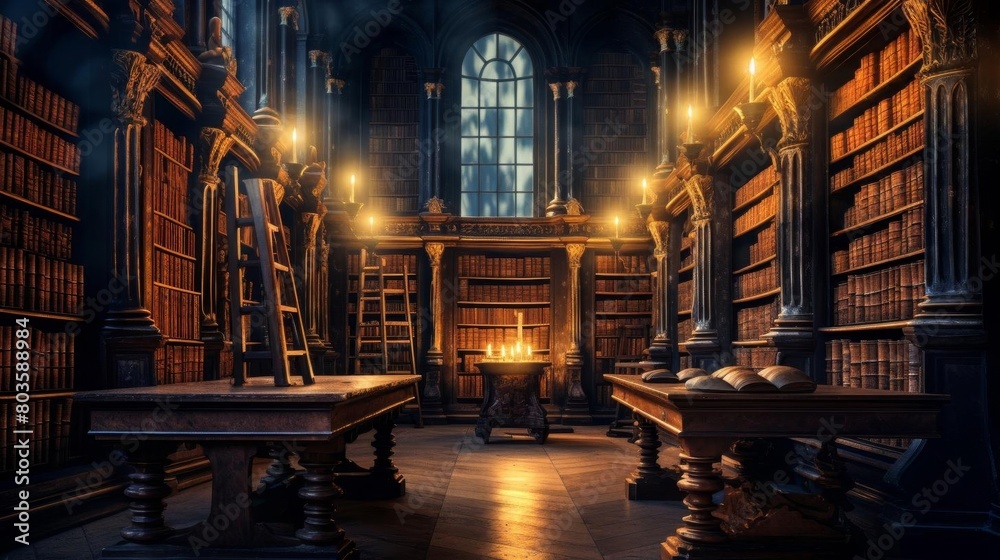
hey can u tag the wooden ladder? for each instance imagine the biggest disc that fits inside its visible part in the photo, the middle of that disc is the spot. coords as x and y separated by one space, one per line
284 342
384 324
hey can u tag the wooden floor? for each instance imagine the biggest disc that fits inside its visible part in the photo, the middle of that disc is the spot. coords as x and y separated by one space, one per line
511 499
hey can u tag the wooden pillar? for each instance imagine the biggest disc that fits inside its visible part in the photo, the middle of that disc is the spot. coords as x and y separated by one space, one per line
433 409
334 93
288 17
572 88
792 331
661 348
704 344
129 334
666 121
557 206
576 410
213 144
430 145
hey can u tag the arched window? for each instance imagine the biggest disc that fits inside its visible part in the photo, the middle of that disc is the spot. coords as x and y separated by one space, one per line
497 129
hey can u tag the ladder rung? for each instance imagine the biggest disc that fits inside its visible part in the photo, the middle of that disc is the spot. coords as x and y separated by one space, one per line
396 323
370 269
397 341
370 298
370 355
392 275
392 291
266 354
248 309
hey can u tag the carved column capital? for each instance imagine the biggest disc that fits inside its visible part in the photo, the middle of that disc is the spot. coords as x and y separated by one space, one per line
680 38
660 231
132 78
434 252
699 188
433 89
571 87
575 253
213 144
791 101
663 37
318 58
556 88
333 85
656 74
310 227
947 32
289 16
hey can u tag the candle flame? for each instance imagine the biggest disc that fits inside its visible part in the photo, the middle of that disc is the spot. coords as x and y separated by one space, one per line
294 135
690 112
352 179
643 182
753 66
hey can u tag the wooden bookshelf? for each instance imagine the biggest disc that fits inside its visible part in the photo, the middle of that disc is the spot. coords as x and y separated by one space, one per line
492 290
876 221
393 142
615 119
176 299
41 284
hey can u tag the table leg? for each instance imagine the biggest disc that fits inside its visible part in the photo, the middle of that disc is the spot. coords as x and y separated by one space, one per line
318 493
147 490
230 511
701 480
650 481
383 480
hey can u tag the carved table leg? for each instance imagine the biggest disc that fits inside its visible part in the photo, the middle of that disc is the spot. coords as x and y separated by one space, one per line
702 530
383 480
147 490
231 465
649 481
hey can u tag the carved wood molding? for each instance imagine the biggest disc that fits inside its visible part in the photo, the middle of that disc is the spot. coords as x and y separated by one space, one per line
213 145
575 253
132 78
702 193
660 231
792 103
310 228
947 32
434 252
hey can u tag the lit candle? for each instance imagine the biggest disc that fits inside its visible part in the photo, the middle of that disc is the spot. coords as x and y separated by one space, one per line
529 351
690 138
371 225
503 351
489 350
295 141
753 70
520 325
644 190
616 227
352 187
517 350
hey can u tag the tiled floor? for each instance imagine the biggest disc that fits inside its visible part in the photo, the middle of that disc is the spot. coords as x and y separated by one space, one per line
512 499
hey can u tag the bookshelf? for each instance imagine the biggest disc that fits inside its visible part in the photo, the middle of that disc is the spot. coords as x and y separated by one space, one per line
492 290
176 299
876 221
41 285
685 290
755 287
623 315
393 142
615 131
394 264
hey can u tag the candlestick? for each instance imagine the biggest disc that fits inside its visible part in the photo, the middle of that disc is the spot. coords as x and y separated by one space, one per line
753 70
616 227
644 190
295 142
352 187
689 137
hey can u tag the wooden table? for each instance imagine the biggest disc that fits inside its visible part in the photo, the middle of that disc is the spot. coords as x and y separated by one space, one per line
707 425
233 424
510 398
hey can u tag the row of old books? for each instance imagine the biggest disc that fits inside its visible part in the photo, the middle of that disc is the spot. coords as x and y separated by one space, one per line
177 312
478 338
597 100
51 359
470 385
407 102
393 116
896 190
876 120
38 100
23 230
175 147
390 74
883 152
613 327
180 363
614 167
629 284
46 146
502 315
393 263
8 35
392 129
396 186
372 306
624 305
603 114
49 420
173 236
875 68
27 179
756 282
684 329
754 215
594 130
174 270
619 347
756 185
372 285
503 267
891 294
892 365
37 283
408 145
765 246
531 293
757 358
609 264
170 196
753 322
685 296
900 237
396 88
393 120
607 85
687 251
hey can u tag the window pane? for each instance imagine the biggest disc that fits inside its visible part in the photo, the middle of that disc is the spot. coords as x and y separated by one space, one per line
506 178
470 92
507 151
524 150
487 150
488 122
524 127
506 47
508 124
505 207
472 64
488 94
525 176
525 92
470 150
524 204
522 64
487 46
487 204
470 204
488 178
470 178
505 94
470 122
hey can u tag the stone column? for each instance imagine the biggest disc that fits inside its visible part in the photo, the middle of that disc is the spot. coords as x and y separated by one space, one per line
288 18
703 346
430 146
433 409
129 334
213 144
577 409
661 348
572 88
792 331
665 121
334 92
557 206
